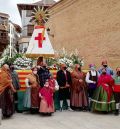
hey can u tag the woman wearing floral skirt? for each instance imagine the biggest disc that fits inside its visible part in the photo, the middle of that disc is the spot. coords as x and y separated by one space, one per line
103 99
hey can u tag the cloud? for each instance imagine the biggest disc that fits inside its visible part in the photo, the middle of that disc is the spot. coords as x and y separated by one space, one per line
10 7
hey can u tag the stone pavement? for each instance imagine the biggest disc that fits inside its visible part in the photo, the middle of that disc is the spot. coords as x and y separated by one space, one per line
62 120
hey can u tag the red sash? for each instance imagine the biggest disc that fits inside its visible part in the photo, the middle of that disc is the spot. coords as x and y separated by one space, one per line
108 89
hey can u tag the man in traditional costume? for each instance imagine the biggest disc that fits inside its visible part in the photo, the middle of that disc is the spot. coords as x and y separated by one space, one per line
92 79
64 81
43 73
116 89
31 99
108 69
103 98
6 91
79 98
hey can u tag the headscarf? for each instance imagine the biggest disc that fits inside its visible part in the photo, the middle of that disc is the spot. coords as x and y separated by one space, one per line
104 62
47 93
92 66
5 79
77 67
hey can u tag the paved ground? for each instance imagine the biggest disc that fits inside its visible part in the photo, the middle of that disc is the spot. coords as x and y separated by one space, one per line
62 120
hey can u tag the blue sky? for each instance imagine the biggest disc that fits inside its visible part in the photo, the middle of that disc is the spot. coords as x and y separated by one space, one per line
10 7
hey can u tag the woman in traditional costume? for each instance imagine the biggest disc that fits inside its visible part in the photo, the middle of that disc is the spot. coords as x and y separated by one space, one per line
108 69
6 92
79 98
16 84
116 89
31 100
91 80
46 95
103 99
54 84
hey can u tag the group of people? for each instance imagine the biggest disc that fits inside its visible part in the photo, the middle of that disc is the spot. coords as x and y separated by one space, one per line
95 91
40 90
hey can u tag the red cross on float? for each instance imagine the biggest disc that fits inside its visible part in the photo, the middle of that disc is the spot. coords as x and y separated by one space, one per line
40 44
40 39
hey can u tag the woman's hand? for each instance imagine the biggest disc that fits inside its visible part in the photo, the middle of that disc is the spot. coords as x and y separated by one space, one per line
33 86
67 85
12 88
106 85
40 96
80 80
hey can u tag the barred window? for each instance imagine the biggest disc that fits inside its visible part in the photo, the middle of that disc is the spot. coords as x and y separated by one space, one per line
30 29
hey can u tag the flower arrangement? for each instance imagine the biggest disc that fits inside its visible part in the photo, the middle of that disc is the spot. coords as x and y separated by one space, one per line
23 63
66 61
20 61
63 57
77 60
5 57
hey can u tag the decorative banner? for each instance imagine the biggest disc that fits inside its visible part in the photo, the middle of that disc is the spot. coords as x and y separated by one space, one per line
40 44
22 74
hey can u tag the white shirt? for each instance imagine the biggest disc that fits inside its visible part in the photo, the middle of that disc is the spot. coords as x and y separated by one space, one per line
64 72
27 82
56 85
93 73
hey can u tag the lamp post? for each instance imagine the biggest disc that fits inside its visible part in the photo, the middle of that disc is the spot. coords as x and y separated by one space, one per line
10 46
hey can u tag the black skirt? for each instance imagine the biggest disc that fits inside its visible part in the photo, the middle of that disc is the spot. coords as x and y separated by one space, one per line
7 102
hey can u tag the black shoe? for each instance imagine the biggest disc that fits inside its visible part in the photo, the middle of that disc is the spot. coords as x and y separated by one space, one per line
80 109
49 114
61 109
85 109
89 109
116 112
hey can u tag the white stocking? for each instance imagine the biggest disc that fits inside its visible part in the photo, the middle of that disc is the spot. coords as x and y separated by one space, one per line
61 103
68 102
117 106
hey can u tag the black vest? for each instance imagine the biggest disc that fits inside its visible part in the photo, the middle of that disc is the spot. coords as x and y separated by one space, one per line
93 78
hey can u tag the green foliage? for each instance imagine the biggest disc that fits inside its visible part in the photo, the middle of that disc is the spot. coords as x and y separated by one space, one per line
9 60
76 59
50 61
63 57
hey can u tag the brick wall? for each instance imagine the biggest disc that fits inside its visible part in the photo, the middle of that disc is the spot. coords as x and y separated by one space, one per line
91 26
